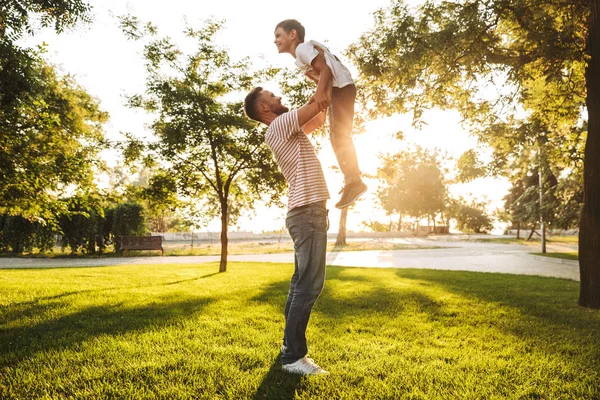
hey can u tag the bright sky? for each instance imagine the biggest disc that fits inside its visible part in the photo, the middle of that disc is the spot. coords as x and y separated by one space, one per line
110 67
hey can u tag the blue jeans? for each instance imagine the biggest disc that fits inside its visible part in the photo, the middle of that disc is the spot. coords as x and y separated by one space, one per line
308 228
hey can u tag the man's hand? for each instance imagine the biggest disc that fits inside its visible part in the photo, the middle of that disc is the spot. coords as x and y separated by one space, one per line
322 98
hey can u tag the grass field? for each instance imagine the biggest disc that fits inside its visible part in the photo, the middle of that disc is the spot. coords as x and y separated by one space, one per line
287 246
241 248
534 239
168 332
564 256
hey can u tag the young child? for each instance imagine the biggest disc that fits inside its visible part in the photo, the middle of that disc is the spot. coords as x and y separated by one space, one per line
326 70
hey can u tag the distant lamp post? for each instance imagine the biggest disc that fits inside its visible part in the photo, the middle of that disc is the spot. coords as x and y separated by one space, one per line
541 196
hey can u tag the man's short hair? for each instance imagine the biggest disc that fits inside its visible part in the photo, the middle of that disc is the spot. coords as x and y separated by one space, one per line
289 24
251 103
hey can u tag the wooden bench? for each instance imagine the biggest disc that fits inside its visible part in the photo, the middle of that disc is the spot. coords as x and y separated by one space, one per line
141 243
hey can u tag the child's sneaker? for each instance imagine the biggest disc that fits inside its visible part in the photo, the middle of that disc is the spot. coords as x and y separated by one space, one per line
350 193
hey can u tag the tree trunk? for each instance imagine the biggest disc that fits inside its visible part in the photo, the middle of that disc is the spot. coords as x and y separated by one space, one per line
531 233
589 228
341 237
400 223
518 230
224 240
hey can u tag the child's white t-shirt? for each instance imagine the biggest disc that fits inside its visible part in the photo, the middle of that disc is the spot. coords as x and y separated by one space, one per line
306 52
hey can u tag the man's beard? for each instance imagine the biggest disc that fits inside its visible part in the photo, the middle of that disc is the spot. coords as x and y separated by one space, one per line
281 110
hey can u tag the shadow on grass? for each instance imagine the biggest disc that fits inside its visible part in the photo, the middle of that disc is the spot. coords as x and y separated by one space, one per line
552 299
369 298
38 306
277 384
547 307
191 279
277 291
543 303
69 331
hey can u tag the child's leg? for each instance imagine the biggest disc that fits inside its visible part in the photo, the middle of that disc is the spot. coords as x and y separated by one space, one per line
340 120
341 114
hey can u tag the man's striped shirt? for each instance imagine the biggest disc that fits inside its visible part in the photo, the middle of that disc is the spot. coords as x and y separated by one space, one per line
297 160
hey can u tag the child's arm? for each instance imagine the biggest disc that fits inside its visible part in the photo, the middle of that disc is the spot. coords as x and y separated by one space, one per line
315 123
323 93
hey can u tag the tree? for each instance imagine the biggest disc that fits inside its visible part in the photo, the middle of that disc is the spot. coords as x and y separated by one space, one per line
470 217
512 206
15 16
216 155
160 198
50 128
82 224
450 55
470 167
17 65
18 235
50 139
128 219
412 184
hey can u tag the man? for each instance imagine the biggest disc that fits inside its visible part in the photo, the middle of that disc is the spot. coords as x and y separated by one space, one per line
307 214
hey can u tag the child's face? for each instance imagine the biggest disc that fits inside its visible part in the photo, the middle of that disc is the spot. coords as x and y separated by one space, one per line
284 40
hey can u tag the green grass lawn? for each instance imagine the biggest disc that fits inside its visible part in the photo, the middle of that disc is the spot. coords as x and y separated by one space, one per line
288 246
187 332
241 248
565 256
564 239
534 239
497 240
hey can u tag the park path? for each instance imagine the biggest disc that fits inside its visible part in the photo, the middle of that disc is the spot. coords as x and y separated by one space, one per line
457 255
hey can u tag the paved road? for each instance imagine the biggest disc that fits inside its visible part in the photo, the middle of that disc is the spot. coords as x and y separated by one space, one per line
457 256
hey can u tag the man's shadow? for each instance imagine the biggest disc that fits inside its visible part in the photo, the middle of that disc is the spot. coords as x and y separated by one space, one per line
278 384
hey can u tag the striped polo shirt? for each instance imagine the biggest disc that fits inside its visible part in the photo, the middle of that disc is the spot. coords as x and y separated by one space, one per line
297 160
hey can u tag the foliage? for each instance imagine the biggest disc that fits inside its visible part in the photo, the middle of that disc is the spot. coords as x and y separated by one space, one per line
50 128
211 149
83 224
15 19
160 199
50 142
127 220
470 167
376 226
453 54
471 217
569 195
514 70
19 235
544 54
412 183
562 197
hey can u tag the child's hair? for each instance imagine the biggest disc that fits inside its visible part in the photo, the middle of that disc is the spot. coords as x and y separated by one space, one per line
289 24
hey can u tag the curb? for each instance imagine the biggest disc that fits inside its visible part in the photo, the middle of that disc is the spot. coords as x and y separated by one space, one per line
555 260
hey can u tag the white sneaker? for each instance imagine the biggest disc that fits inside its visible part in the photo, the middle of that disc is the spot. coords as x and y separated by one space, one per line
304 366
283 348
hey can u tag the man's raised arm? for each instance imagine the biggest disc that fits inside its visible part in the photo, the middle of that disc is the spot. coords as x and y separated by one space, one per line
315 123
307 112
